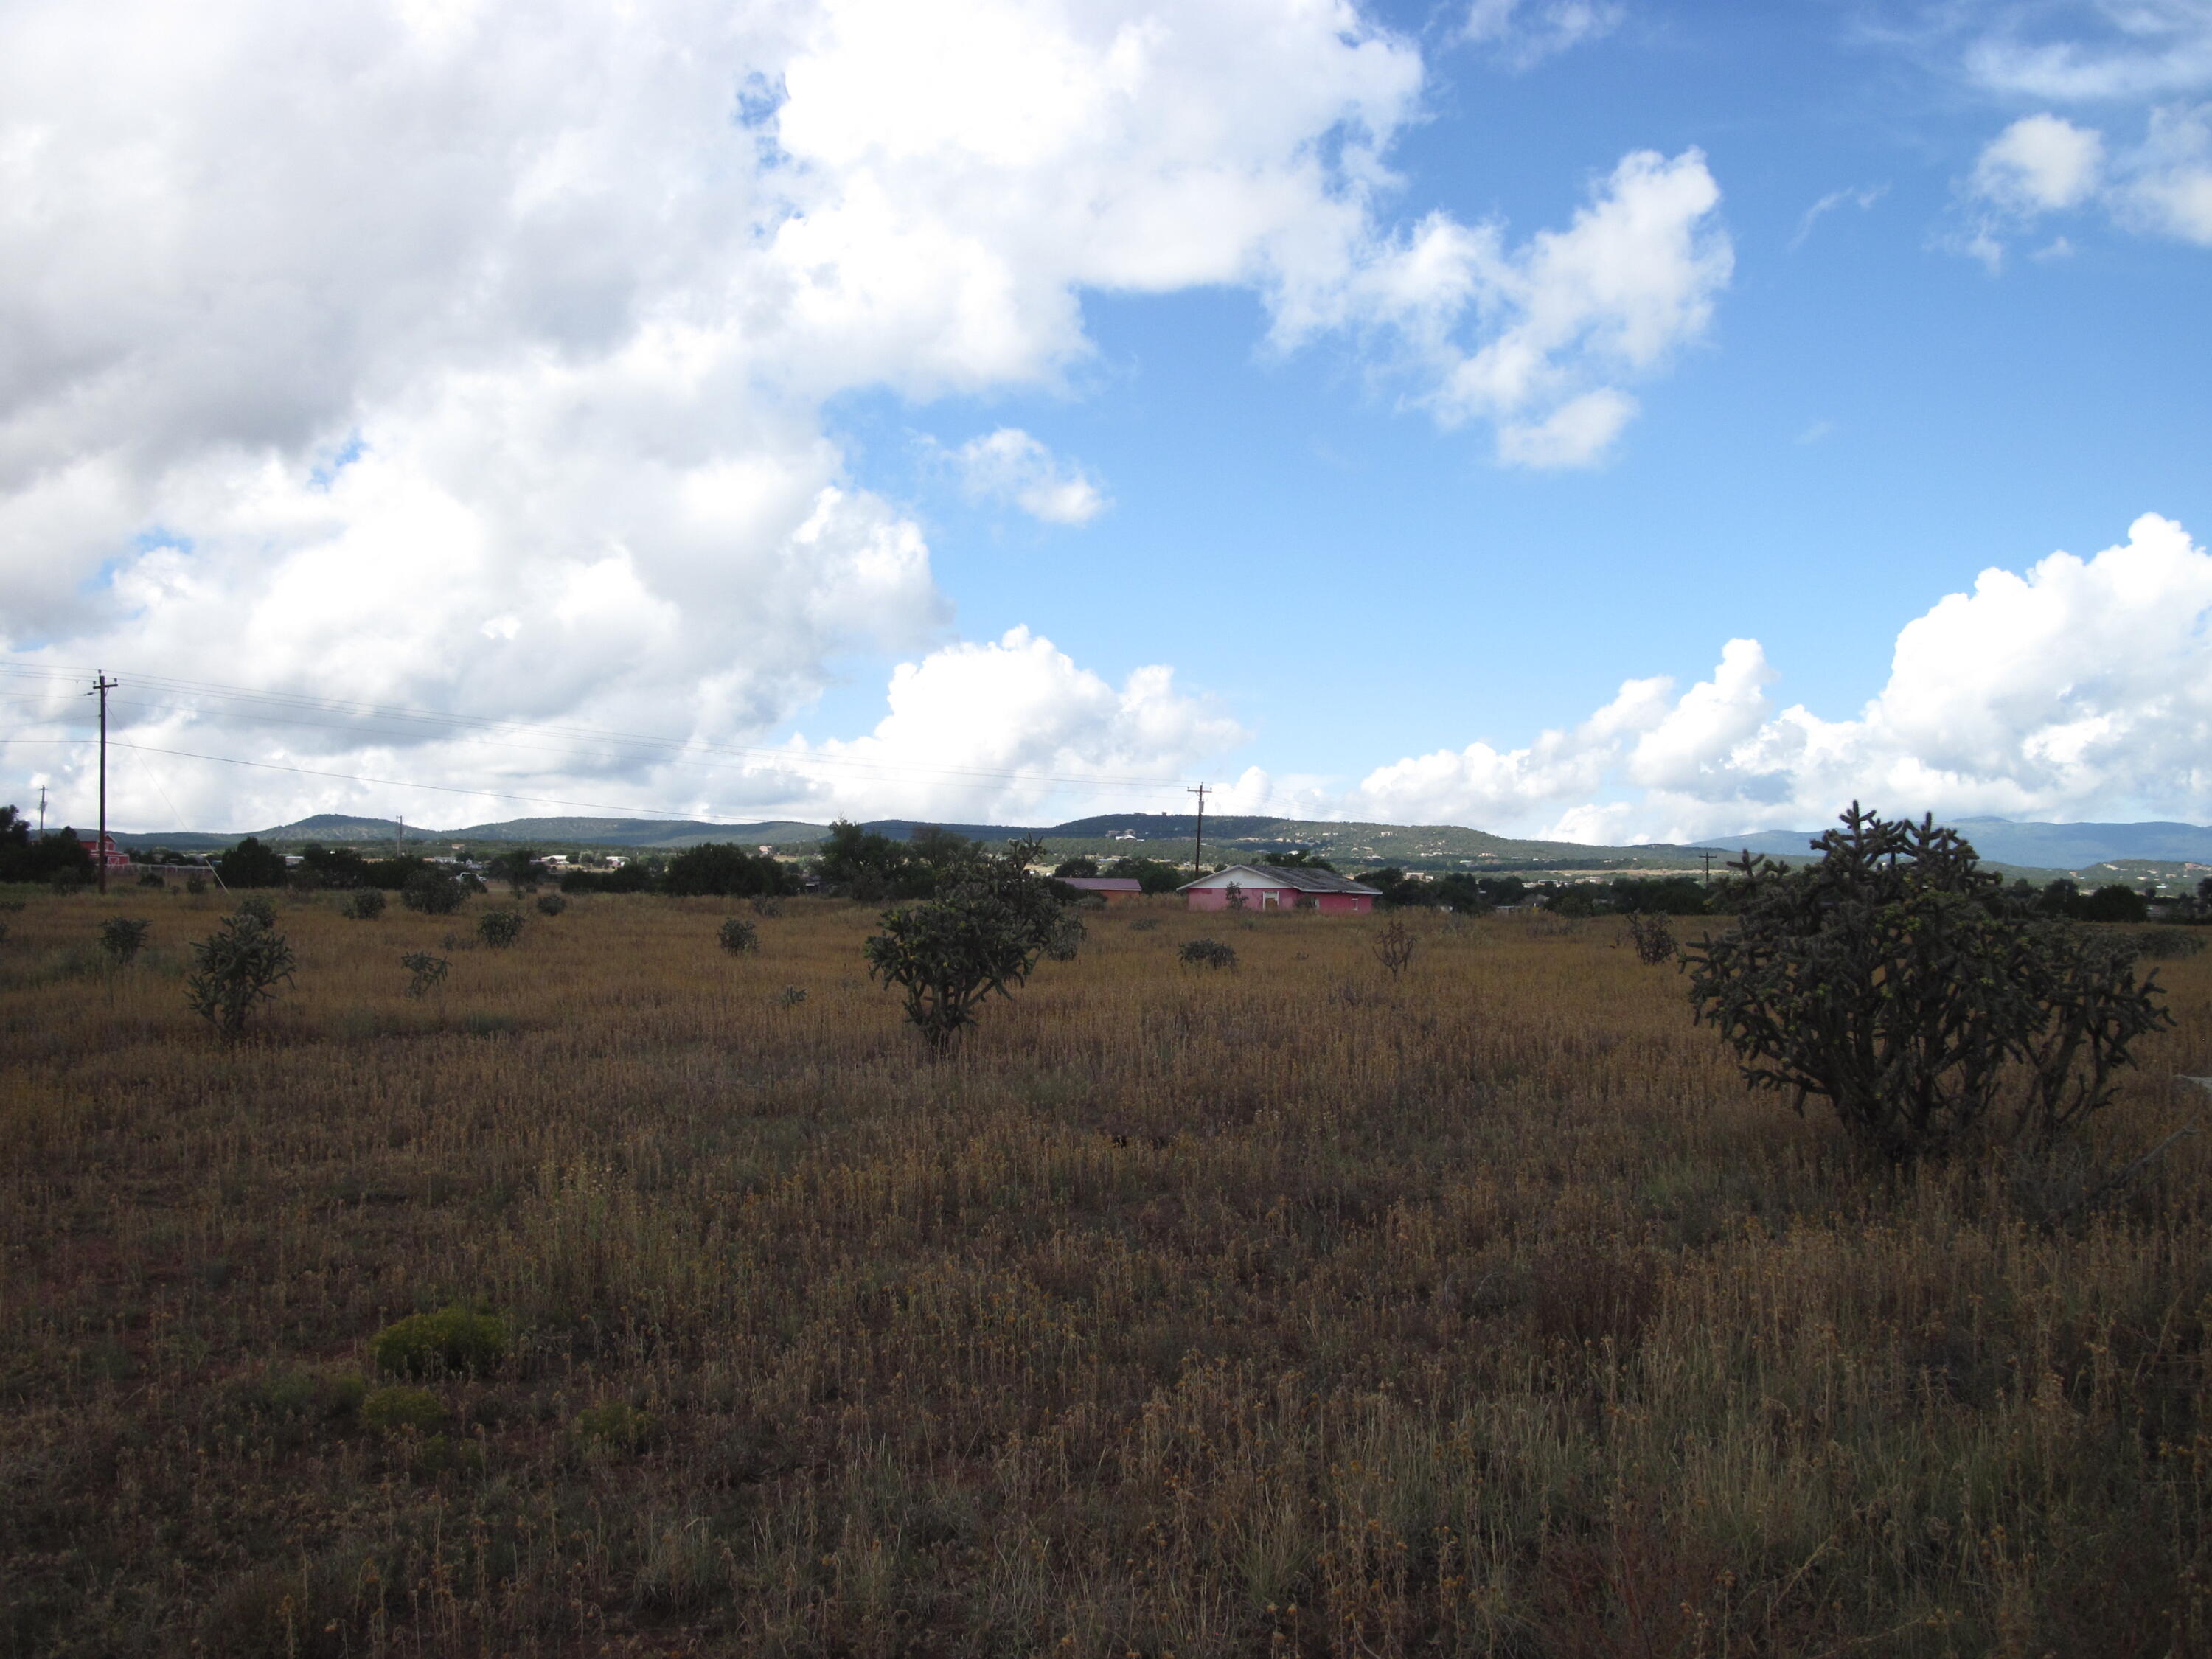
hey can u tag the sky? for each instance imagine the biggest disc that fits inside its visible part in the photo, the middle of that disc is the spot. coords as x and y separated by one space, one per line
1611 420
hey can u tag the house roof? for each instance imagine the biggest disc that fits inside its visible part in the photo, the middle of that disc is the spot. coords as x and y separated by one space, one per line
1102 883
1302 878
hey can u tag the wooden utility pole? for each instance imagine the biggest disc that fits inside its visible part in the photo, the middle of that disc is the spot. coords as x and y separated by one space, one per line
1197 845
101 687
42 811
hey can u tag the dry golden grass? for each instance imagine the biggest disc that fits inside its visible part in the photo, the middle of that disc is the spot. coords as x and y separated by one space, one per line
1295 1310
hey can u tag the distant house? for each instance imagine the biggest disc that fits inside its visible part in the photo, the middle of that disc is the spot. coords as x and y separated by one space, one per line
1272 887
94 846
1115 890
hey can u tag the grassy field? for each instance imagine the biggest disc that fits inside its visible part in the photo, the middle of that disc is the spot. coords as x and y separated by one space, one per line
1294 1310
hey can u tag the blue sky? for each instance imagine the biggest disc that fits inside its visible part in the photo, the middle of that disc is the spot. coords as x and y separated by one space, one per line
920 447
1873 420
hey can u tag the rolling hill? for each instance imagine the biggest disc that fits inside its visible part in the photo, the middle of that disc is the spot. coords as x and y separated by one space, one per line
2036 846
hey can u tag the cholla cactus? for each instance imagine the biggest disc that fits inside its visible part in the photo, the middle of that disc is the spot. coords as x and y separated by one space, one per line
121 937
235 970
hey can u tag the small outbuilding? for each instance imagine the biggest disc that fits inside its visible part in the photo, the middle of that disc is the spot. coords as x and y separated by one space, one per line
1278 887
1115 890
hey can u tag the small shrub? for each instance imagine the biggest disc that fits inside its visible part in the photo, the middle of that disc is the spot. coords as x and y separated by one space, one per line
551 904
615 1427
1207 953
311 1393
401 1407
195 885
431 891
2167 944
260 909
122 938
1144 924
765 906
790 996
452 1340
236 969
151 878
1392 946
500 928
428 972
738 937
1067 937
1653 937
366 905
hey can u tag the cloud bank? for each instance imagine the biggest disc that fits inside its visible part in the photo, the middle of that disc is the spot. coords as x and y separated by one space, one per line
2138 68
2081 688
474 358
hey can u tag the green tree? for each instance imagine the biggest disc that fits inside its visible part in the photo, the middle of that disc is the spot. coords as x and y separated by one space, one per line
57 855
981 935
1150 875
250 864
724 869
1399 890
1901 982
433 892
338 867
1660 896
1081 866
866 864
2113 904
521 869
638 875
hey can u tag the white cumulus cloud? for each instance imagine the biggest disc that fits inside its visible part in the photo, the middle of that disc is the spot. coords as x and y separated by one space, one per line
1009 464
1017 723
2081 686
469 357
2043 164
2147 61
1523 33
1535 338
2040 164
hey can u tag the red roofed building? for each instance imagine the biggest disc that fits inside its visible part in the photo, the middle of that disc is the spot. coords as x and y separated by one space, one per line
117 858
1115 890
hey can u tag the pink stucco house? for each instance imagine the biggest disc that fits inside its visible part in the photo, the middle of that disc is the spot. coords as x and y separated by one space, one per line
1269 887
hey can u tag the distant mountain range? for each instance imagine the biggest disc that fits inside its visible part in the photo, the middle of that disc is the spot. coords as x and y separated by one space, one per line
2033 846
1165 835
2036 846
